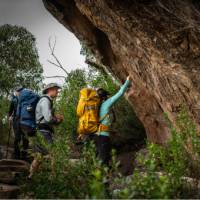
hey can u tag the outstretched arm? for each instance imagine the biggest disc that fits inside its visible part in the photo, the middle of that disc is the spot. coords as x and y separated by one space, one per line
109 102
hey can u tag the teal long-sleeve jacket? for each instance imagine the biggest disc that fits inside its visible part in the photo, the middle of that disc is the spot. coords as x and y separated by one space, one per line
106 106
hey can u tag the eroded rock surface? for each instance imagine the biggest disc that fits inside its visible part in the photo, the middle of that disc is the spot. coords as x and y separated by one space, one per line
156 41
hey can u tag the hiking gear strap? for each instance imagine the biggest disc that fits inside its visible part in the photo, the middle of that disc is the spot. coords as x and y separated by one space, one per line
102 118
102 128
51 105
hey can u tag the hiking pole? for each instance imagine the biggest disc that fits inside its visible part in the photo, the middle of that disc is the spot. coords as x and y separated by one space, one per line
8 143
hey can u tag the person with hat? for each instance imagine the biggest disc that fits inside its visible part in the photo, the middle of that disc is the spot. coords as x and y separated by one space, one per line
18 134
45 120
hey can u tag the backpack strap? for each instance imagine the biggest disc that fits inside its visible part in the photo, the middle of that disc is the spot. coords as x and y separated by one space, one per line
111 112
103 127
50 100
102 118
51 105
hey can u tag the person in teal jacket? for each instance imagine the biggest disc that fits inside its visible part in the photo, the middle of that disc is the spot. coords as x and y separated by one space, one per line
102 138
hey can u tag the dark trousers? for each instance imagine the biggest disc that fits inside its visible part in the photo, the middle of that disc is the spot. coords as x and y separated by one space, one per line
48 135
103 147
20 150
44 139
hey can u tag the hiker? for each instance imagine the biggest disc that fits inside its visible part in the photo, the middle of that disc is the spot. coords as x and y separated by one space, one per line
94 111
103 140
18 134
25 114
45 120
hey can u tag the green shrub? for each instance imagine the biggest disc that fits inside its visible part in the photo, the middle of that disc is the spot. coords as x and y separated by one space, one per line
61 177
161 177
165 166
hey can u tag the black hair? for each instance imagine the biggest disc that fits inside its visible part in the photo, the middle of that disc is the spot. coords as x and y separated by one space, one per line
102 93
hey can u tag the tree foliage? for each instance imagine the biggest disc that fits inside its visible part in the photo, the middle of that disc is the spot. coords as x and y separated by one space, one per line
4 106
19 60
19 66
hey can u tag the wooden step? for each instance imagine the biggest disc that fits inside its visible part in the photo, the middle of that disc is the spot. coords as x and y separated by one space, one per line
14 165
9 191
9 177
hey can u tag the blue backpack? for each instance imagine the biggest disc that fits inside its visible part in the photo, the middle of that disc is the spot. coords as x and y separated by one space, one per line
26 108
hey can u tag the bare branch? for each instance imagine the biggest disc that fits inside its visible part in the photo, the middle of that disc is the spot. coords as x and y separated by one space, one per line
54 77
52 48
57 64
54 45
53 63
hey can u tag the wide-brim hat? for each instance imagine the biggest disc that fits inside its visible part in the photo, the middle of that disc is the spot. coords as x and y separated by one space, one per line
49 86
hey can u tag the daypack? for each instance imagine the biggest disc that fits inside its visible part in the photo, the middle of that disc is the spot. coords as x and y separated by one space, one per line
88 111
26 108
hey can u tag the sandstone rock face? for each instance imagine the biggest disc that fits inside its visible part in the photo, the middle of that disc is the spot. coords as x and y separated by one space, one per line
157 42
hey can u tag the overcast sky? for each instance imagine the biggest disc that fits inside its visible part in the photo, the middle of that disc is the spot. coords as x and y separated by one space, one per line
32 15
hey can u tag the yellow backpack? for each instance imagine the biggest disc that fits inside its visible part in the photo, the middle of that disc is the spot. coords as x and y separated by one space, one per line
88 111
